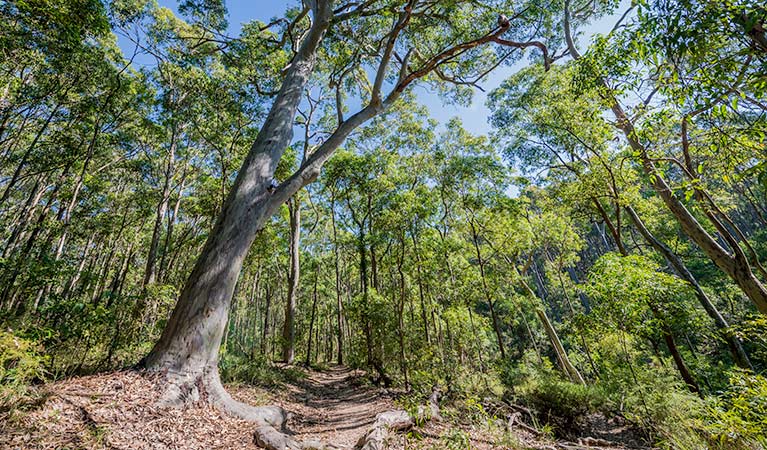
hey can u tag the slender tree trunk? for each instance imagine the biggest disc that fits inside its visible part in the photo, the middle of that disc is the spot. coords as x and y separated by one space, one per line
150 273
17 173
564 360
477 340
67 218
739 355
288 331
76 277
7 296
614 231
419 279
267 317
401 315
486 291
362 251
24 216
668 337
311 321
339 300
164 260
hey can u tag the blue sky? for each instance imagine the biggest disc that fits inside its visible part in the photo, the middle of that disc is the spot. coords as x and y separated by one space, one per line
474 116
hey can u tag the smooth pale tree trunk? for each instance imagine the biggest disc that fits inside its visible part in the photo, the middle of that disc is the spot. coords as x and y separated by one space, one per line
339 298
188 349
308 361
150 273
288 330
739 355
564 360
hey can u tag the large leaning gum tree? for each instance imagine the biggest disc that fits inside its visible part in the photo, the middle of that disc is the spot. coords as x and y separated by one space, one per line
448 44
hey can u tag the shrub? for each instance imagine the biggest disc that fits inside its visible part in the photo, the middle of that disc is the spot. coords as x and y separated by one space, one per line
256 371
21 363
738 418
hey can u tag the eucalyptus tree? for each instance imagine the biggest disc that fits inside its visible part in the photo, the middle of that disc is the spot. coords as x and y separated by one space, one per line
546 123
698 87
474 176
401 45
632 293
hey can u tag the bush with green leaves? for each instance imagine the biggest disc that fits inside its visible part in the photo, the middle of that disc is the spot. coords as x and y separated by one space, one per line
255 370
21 363
555 400
737 419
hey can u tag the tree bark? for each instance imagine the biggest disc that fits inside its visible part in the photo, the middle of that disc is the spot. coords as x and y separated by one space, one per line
288 330
339 301
150 272
189 346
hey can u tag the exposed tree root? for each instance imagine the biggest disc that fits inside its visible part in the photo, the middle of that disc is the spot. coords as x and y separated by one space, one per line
270 421
182 389
386 422
398 421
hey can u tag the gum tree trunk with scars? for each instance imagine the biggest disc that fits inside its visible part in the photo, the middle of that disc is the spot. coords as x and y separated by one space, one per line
189 346
187 351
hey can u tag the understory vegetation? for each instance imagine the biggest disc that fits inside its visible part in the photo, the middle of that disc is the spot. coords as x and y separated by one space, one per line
597 256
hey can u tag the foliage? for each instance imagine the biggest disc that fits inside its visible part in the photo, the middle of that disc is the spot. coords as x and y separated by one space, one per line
430 255
21 363
736 418
256 371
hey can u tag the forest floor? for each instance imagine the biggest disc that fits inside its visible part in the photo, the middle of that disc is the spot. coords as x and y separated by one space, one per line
336 406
